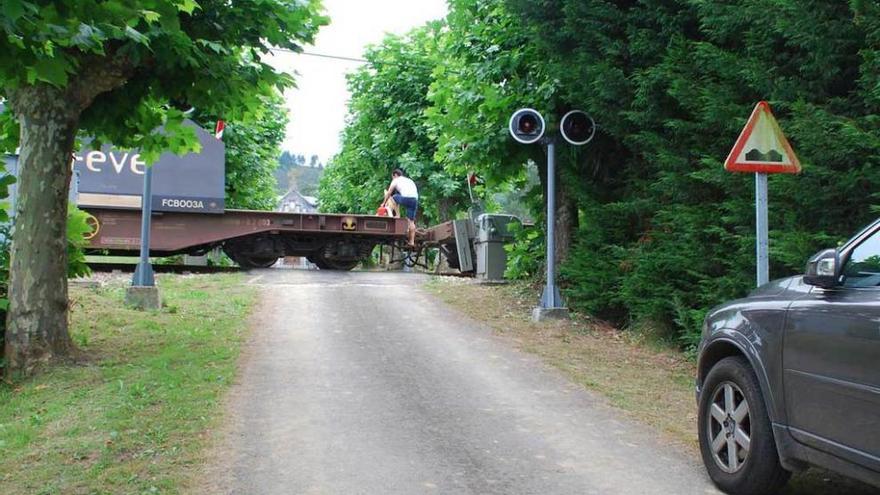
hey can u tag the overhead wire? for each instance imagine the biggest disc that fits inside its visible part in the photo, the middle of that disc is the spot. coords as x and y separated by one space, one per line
353 59
323 55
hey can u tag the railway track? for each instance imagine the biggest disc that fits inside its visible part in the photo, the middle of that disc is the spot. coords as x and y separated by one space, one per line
158 268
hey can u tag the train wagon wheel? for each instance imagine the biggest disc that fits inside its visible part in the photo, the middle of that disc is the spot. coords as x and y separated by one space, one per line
342 265
324 263
247 262
262 262
318 261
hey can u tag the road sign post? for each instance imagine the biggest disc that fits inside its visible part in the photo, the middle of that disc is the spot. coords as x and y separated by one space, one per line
763 149
761 230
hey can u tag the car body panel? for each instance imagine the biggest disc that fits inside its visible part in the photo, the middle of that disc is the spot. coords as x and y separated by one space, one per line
832 372
755 326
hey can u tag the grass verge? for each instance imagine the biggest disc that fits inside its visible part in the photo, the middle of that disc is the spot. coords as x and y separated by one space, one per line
133 415
643 378
652 384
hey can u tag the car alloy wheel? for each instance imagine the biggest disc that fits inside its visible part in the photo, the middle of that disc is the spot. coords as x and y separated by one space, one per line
729 427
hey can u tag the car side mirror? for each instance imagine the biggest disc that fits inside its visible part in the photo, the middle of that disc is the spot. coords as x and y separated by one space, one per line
823 269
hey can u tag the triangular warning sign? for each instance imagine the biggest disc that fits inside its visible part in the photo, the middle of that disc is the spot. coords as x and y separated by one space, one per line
761 146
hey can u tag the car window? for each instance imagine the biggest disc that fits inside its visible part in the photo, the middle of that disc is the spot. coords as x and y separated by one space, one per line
863 267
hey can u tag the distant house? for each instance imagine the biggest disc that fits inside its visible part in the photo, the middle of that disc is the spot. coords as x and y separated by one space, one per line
295 202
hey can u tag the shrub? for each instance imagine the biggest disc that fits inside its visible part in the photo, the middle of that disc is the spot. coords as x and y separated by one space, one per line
77 229
525 255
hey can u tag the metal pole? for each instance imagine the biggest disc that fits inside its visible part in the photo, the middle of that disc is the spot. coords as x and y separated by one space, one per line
763 238
551 298
143 274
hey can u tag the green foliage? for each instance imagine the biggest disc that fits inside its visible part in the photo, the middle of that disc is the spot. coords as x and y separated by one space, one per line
252 147
490 69
387 129
525 255
666 233
77 229
162 54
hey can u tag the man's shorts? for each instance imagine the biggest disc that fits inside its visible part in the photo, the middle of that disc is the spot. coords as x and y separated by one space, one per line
411 205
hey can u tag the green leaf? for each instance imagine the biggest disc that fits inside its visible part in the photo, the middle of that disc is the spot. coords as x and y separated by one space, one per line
51 70
88 36
187 6
215 47
150 16
135 35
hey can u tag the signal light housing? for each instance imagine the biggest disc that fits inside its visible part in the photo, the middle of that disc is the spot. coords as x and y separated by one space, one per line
527 126
577 127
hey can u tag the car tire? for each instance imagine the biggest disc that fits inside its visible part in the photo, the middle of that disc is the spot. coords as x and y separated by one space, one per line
736 439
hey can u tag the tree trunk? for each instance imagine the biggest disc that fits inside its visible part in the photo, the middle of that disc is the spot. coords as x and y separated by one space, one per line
566 210
36 330
444 209
566 221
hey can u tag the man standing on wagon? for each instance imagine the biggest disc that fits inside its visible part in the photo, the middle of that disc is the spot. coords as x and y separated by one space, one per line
406 195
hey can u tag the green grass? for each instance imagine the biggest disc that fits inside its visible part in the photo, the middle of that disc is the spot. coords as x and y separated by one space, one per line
134 415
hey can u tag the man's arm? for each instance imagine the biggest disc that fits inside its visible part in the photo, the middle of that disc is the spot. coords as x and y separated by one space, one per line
390 190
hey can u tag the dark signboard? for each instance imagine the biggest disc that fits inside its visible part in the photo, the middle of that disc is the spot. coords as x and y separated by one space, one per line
194 182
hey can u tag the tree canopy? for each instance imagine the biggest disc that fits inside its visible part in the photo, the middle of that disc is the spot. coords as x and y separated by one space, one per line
671 84
122 72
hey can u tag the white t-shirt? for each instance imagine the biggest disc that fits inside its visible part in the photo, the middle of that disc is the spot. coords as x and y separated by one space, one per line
405 187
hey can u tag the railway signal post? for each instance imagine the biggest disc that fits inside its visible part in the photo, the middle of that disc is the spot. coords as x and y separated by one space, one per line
527 126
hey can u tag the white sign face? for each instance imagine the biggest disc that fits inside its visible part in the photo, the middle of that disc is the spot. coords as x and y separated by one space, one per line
764 145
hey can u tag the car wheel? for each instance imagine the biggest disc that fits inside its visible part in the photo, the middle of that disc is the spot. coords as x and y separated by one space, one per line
736 440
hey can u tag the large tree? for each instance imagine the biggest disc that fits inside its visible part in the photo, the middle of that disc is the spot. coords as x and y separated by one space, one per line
387 128
119 71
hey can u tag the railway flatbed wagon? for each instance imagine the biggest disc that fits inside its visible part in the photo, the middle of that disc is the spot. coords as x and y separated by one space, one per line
253 239
189 215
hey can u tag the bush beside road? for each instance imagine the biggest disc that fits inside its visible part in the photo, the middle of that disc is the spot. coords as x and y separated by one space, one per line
133 413
644 378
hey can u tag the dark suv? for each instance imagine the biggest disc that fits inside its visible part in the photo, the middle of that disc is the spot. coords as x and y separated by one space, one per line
790 376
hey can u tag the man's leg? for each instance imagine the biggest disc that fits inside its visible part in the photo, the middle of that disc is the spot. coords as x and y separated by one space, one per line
412 231
394 209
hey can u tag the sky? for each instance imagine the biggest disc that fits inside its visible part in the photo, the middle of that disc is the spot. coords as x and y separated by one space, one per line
318 105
